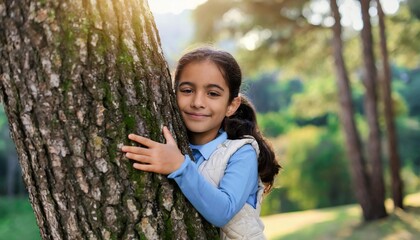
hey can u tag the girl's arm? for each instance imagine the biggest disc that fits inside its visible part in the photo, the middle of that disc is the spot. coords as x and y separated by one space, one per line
217 205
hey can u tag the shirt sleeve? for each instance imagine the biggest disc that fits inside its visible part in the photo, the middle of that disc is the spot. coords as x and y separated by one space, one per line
219 204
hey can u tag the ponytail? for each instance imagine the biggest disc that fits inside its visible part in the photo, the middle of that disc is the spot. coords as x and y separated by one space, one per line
244 122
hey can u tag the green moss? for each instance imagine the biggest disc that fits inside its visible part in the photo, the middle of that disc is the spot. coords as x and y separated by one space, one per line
144 109
124 58
67 45
151 123
114 236
104 42
51 14
168 234
66 85
130 122
68 39
107 94
42 2
140 232
112 151
190 229
139 178
85 26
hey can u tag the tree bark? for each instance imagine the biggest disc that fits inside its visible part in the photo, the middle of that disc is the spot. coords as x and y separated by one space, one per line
76 78
377 187
354 149
394 158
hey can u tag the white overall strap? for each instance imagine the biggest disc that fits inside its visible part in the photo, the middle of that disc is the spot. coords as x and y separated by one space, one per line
213 169
246 224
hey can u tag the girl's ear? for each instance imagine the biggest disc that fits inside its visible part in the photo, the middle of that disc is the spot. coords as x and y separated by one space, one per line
233 106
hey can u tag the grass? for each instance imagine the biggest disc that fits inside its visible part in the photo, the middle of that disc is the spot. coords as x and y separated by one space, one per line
17 221
345 222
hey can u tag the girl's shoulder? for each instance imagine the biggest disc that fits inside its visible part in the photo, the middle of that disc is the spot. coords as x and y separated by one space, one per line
233 150
230 146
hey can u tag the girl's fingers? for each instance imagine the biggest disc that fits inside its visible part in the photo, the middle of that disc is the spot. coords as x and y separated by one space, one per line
136 150
138 158
168 136
143 167
142 140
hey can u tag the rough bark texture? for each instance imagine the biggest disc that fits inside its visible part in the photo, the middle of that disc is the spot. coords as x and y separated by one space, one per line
394 158
76 77
354 149
377 187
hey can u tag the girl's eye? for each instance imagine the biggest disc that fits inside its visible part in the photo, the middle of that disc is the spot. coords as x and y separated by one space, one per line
186 90
214 94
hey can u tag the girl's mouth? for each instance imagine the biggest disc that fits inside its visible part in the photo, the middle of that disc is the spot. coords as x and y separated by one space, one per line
196 115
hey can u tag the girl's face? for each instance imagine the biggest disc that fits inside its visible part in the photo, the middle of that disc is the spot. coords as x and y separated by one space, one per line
203 99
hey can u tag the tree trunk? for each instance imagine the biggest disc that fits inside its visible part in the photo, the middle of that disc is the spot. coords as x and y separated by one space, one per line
394 158
377 187
353 144
76 78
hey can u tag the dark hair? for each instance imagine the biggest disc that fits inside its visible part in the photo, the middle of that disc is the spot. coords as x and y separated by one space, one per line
244 121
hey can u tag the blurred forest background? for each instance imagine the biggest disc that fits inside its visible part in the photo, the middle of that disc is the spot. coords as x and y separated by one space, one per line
286 52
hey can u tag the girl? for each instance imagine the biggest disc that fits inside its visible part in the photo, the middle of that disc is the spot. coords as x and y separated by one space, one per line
231 156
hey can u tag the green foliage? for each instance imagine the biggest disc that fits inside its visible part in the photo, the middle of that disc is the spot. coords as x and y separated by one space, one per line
17 220
315 168
410 178
7 149
277 201
409 88
414 6
273 124
269 93
409 139
403 34
318 98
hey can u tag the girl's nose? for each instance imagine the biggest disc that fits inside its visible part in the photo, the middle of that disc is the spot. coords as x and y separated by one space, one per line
198 100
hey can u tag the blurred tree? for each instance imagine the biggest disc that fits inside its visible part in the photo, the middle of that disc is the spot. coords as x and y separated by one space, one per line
376 183
394 158
76 78
354 149
414 6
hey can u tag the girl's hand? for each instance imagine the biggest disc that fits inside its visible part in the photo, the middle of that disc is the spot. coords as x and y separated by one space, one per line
155 157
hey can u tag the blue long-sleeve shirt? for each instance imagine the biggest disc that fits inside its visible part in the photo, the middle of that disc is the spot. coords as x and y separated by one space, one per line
238 186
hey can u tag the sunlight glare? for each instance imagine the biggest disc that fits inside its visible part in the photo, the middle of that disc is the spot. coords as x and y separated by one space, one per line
390 6
170 6
254 38
351 15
